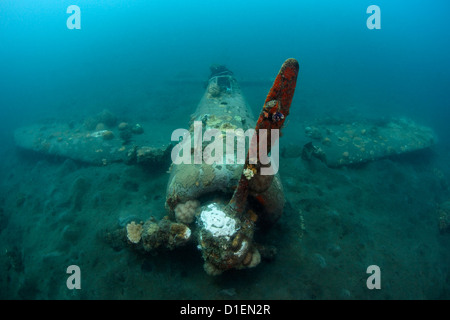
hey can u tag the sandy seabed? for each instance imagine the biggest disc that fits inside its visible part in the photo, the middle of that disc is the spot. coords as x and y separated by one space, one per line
55 213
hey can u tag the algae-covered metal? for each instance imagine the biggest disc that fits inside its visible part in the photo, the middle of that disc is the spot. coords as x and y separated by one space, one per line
98 145
341 143
223 108
235 194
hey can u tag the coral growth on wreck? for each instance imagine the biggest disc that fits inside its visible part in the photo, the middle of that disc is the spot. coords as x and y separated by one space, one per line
185 212
134 232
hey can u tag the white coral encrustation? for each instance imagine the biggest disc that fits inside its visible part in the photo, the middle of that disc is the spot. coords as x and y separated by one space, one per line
216 221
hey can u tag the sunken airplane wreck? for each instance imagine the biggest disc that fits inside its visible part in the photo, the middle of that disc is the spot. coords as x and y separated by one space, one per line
217 207
223 226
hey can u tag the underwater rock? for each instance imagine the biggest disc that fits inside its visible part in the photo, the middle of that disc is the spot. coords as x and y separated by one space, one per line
100 127
107 135
123 126
108 118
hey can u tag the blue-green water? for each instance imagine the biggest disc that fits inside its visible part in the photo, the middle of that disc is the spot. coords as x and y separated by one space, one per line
123 58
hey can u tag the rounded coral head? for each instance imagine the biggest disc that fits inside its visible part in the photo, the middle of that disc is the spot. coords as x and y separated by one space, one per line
185 212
